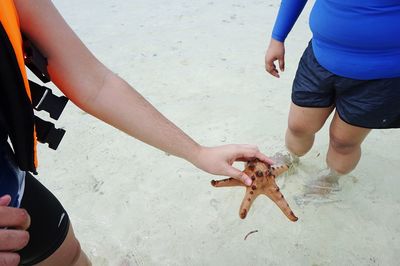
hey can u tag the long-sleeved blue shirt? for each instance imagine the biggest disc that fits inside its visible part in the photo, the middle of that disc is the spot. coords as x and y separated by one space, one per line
351 38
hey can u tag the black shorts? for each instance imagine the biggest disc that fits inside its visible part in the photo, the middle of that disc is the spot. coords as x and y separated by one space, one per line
49 222
362 103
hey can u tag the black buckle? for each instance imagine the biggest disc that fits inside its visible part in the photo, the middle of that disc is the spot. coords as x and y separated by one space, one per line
44 99
46 132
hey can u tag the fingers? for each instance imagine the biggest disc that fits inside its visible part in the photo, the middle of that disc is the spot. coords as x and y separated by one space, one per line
282 63
248 152
271 68
14 217
5 200
12 240
239 175
262 157
9 259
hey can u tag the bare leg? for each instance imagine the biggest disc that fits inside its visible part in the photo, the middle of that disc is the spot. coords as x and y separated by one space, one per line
345 145
343 155
68 254
344 152
303 123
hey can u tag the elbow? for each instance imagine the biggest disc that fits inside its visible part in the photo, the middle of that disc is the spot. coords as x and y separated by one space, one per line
83 89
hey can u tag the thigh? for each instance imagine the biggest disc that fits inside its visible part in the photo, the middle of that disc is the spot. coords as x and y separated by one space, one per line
67 254
345 134
49 222
308 119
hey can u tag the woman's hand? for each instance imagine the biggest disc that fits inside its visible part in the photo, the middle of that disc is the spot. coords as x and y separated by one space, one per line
275 51
13 234
219 160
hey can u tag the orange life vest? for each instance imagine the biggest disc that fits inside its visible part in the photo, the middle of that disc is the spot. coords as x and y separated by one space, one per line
9 20
16 94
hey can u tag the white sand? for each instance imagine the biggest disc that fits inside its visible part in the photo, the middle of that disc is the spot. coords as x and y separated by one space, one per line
201 64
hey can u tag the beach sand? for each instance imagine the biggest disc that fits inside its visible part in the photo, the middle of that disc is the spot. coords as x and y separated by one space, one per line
201 63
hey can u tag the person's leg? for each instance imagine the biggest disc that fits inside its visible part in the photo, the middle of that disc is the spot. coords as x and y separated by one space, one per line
68 254
303 123
52 240
345 145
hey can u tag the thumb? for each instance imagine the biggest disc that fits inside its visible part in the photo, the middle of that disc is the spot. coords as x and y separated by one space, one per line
239 175
5 200
282 63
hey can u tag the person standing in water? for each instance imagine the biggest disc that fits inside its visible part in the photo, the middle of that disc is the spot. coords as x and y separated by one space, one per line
351 67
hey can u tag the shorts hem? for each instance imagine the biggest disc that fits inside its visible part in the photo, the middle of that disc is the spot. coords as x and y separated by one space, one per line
363 126
310 106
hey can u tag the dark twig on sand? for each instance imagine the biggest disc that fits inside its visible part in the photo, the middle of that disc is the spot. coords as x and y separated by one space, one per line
249 233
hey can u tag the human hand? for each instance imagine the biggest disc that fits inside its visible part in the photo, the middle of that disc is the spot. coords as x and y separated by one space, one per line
275 51
219 160
14 239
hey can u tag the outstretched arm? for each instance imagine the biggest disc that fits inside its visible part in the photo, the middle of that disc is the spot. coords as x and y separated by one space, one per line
100 92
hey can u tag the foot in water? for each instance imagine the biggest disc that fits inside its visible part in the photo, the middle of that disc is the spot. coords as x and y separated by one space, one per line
326 182
322 189
288 158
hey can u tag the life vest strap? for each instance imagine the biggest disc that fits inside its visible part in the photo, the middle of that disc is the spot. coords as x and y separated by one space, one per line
44 99
46 132
35 61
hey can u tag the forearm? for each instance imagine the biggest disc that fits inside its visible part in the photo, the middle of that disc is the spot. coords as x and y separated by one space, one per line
288 13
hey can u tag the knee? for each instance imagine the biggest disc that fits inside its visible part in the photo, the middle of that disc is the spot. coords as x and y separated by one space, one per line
71 250
301 129
76 251
343 146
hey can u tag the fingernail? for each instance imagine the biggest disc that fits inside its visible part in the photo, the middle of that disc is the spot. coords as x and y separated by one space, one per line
248 181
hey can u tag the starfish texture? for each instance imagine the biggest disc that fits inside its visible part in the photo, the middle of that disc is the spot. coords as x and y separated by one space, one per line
263 176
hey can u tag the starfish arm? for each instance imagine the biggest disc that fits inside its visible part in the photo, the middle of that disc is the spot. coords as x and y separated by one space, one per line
278 170
228 182
248 199
280 200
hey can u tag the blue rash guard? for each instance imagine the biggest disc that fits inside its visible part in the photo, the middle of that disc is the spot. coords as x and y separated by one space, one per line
351 38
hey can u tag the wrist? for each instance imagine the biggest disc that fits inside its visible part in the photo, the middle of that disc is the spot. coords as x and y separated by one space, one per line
195 154
276 41
277 38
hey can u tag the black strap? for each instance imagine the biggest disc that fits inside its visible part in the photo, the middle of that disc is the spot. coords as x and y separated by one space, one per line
46 132
35 61
44 99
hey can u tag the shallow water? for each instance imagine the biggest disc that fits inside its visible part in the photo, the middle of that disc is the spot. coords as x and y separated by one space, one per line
201 64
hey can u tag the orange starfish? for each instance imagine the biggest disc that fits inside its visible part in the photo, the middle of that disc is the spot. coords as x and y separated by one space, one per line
263 176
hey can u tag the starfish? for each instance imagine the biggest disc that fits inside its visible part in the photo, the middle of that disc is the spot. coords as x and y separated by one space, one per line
263 176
